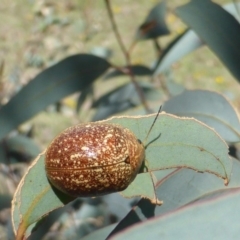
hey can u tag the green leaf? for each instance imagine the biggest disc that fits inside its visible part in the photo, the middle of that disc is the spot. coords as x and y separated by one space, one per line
123 98
214 219
70 75
217 28
83 96
34 198
101 233
209 107
178 189
143 186
18 148
43 227
185 43
232 8
154 25
183 143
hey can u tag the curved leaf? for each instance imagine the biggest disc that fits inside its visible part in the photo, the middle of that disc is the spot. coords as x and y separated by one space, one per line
185 43
183 143
209 107
83 96
143 186
101 233
34 198
220 214
233 9
72 74
178 189
154 26
217 28
18 148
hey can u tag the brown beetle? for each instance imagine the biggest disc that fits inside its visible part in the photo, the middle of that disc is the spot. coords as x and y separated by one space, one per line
94 159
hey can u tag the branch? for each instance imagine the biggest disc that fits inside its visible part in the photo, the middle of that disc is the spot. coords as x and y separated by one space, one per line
126 55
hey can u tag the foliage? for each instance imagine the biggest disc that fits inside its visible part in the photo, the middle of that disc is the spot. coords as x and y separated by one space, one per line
194 127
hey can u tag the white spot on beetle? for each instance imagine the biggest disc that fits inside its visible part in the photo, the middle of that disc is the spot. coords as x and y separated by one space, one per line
85 148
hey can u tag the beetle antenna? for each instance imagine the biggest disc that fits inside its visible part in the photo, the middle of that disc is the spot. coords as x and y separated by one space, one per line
155 119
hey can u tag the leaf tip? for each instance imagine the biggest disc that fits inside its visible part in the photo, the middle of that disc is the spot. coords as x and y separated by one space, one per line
156 202
226 181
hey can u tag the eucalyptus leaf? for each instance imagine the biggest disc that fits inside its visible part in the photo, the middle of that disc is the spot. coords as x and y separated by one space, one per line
179 188
221 215
217 28
101 233
154 25
83 96
118 205
209 107
34 198
185 43
143 186
183 143
233 8
18 148
70 75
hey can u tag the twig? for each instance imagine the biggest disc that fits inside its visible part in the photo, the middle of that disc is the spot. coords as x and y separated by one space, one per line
126 55
157 47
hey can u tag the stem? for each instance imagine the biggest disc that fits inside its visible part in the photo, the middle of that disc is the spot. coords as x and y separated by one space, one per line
157 47
132 46
116 32
163 85
126 55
